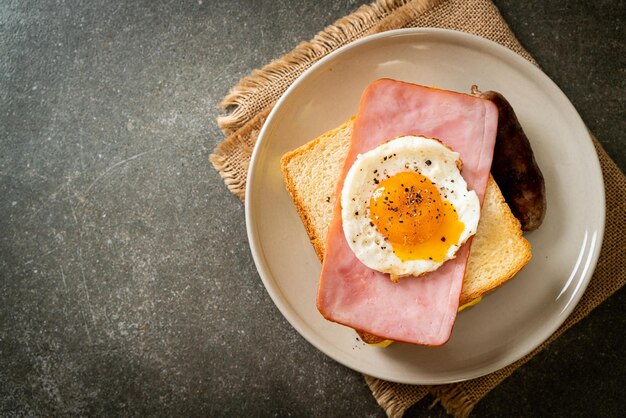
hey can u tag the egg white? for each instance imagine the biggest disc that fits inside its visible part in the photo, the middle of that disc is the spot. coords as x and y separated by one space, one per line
428 157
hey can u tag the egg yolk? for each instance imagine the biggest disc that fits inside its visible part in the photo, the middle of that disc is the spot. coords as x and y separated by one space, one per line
408 210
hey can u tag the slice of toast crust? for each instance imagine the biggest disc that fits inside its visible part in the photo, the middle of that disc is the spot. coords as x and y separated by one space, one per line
336 141
498 252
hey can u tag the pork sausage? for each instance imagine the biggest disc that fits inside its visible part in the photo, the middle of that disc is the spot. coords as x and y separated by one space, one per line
514 167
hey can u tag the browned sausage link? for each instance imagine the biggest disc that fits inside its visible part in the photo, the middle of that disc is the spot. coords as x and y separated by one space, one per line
514 167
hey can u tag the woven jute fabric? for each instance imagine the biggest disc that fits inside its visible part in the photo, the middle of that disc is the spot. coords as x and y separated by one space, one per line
249 103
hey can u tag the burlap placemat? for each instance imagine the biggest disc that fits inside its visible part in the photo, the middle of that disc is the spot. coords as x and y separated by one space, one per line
251 100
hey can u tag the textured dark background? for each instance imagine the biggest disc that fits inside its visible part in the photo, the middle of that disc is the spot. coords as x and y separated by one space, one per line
126 282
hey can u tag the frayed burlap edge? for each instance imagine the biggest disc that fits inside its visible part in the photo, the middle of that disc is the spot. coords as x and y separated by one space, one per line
454 400
291 65
386 394
232 157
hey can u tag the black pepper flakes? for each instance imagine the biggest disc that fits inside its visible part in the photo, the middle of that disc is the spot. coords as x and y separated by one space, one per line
428 162
443 239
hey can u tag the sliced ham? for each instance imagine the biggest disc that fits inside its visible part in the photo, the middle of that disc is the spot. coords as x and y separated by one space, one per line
418 310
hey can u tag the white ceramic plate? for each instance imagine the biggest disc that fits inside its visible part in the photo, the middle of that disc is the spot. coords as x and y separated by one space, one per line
518 316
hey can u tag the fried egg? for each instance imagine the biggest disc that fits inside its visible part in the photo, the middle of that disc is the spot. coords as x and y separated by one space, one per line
406 208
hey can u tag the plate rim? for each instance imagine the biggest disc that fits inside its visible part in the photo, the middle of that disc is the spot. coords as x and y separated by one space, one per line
256 247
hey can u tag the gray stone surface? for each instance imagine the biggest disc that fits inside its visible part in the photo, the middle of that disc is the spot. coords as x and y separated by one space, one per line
126 282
